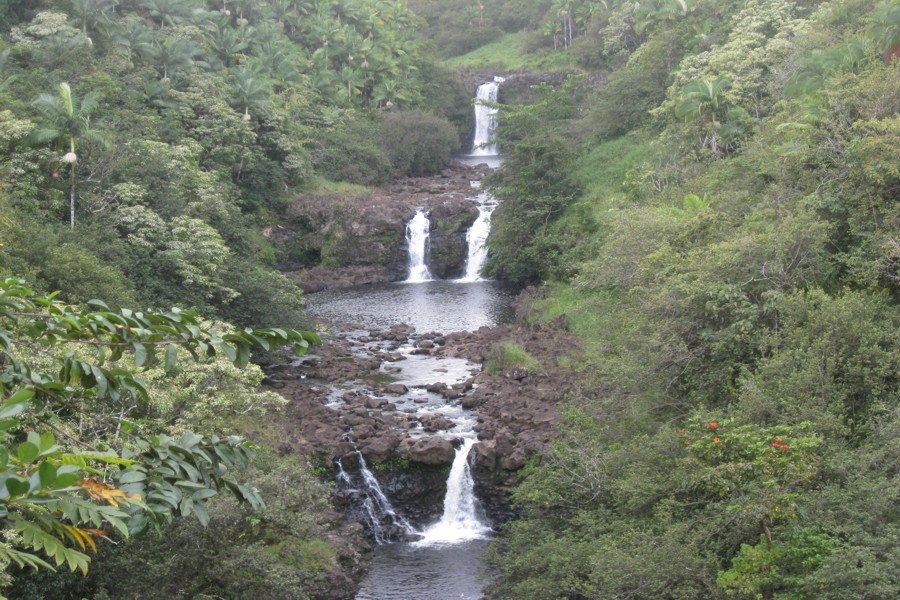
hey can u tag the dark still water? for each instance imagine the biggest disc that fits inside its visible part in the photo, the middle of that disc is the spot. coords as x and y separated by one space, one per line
434 572
441 306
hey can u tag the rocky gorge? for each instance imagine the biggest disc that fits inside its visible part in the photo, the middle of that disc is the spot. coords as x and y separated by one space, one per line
353 238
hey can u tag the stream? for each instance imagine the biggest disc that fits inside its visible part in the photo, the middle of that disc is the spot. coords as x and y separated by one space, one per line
440 560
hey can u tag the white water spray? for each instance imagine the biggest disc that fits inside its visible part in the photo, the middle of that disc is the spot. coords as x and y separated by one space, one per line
460 521
384 521
477 236
417 232
486 119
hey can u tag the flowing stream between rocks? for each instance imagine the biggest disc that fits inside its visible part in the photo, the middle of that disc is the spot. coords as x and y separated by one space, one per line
445 563
440 559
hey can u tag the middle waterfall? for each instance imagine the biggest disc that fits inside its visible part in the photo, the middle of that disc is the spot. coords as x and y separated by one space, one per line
477 236
417 232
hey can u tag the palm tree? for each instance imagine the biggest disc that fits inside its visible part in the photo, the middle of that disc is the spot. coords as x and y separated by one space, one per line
170 12
224 41
886 30
250 90
66 123
132 37
171 55
704 101
5 79
93 12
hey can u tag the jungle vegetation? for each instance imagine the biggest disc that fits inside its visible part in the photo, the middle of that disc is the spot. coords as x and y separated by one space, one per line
711 200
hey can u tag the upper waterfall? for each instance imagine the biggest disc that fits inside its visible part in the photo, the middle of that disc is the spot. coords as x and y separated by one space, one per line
486 119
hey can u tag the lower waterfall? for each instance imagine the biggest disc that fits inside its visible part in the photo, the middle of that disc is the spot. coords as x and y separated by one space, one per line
460 521
383 520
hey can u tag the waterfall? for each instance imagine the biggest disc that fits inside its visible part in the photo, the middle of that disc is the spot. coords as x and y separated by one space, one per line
477 236
460 520
486 118
383 520
417 231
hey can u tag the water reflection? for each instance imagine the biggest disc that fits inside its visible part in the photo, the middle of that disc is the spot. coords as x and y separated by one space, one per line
440 572
441 306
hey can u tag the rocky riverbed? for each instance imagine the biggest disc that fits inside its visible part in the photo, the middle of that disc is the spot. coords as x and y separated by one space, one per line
397 395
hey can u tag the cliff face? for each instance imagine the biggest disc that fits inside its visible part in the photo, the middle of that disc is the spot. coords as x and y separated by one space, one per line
339 240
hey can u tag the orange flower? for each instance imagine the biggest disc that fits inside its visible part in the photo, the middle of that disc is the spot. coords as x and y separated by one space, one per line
681 431
715 439
712 425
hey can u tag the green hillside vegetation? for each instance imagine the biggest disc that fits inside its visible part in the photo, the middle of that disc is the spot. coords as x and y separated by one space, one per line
709 204
144 147
719 225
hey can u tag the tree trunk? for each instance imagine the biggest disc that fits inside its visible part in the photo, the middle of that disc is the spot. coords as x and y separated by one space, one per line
72 197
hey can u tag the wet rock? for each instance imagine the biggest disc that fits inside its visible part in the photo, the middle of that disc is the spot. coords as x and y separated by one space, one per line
471 401
434 422
376 402
398 389
431 451
451 393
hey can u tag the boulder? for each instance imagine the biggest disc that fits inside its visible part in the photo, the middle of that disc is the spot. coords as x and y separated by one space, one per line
432 451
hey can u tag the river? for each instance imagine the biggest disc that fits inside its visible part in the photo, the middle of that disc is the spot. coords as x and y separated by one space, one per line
441 560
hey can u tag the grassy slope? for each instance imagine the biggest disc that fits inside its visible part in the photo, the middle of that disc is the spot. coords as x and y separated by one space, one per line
510 53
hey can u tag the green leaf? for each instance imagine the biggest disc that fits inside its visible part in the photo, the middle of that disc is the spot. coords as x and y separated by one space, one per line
10 411
47 443
132 476
27 452
171 358
20 396
17 486
47 474
64 480
140 354
202 514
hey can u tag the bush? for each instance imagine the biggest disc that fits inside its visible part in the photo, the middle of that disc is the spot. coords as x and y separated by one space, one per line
351 152
510 355
418 143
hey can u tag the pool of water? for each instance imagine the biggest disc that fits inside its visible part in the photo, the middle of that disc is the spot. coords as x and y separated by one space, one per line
441 306
435 572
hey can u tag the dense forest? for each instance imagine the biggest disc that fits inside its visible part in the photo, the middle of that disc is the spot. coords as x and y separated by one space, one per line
718 223
709 204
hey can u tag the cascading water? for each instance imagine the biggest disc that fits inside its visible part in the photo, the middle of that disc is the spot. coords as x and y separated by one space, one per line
460 521
486 118
383 520
417 231
476 237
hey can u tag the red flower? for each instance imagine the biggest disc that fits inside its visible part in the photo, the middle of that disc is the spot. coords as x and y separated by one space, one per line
712 425
715 439
681 431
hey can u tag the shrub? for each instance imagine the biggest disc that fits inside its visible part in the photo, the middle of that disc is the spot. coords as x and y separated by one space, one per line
418 143
510 355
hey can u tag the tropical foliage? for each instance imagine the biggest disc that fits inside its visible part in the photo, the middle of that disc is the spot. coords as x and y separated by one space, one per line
722 241
77 462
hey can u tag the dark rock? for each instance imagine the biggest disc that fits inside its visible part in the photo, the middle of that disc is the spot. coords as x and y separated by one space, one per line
518 373
432 451
434 422
398 389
